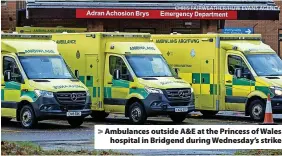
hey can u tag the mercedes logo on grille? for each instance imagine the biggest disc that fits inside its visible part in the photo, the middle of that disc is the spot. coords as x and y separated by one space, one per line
182 94
73 97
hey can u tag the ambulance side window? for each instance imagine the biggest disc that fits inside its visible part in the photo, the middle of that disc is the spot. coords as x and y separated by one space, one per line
9 64
115 63
235 62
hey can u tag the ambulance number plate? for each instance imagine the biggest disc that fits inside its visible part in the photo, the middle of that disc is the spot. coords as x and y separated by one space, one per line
73 113
183 109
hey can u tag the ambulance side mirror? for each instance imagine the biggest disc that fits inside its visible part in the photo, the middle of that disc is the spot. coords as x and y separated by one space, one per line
7 75
76 73
116 75
238 73
176 70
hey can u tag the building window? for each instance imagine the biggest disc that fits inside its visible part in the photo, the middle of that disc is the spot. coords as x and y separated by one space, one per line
140 30
3 2
186 30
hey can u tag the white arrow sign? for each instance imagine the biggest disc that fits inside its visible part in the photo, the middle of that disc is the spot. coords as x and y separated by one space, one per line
248 31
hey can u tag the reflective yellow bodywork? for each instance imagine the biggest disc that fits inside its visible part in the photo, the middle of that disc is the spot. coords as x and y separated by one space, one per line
13 93
88 53
202 60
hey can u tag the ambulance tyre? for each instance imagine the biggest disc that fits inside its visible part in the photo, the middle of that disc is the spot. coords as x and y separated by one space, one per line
75 122
207 113
178 118
27 117
256 110
137 113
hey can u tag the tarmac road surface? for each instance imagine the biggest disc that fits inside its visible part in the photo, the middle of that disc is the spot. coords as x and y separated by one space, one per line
57 134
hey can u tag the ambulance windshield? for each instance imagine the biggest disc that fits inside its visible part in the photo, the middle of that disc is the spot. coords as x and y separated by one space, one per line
149 66
266 64
45 67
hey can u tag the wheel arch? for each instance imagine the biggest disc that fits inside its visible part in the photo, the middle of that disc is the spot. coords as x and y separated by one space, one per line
130 102
20 106
250 100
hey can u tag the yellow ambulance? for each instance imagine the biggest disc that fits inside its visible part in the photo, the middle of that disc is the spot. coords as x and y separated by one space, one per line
36 83
127 74
227 72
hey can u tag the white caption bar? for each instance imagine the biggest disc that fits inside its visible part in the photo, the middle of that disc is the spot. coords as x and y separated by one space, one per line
188 136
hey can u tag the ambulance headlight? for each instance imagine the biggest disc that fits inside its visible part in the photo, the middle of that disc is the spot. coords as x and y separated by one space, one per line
43 93
153 90
276 90
87 93
192 90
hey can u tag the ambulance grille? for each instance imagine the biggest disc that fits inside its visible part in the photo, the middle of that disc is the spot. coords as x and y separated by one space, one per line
178 94
69 98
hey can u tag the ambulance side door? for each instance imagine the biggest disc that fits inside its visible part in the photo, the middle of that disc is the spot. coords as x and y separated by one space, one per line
10 90
237 89
116 91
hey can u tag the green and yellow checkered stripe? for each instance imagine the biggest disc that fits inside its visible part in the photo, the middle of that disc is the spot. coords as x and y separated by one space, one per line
110 92
206 87
245 84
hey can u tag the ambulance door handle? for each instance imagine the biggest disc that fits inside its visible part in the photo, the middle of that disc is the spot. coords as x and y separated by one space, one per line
110 83
229 81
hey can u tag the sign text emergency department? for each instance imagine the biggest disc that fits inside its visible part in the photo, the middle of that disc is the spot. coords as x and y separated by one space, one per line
188 137
156 14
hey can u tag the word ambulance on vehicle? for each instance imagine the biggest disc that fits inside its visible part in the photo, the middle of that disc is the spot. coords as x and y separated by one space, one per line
227 72
37 84
126 73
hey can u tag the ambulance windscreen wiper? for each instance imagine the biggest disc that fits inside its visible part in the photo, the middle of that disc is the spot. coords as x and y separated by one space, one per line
274 75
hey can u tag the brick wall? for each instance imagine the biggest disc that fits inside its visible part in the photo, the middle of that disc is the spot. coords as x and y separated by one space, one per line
9 14
268 29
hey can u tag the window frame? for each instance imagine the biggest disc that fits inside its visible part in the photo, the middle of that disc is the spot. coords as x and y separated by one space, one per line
242 60
130 75
15 62
3 2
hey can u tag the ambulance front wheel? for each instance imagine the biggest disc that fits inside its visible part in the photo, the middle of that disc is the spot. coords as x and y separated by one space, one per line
207 113
137 113
75 122
256 110
27 117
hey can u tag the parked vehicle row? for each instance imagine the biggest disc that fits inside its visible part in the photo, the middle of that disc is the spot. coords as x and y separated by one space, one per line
73 75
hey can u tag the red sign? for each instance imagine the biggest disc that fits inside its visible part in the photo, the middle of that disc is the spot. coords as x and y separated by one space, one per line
156 14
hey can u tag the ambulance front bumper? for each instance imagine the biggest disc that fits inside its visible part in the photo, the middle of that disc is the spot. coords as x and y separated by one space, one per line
276 103
158 104
49 108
